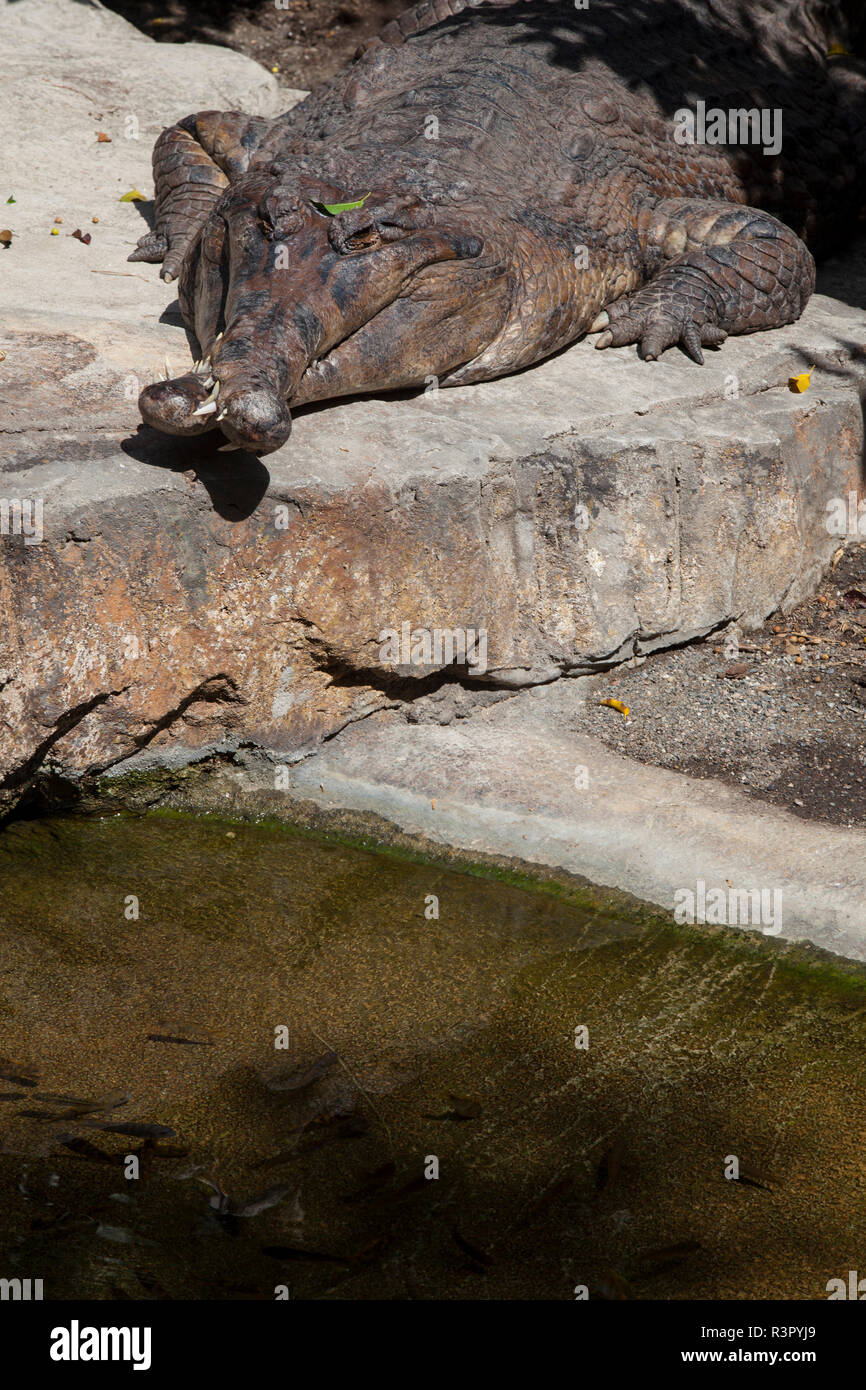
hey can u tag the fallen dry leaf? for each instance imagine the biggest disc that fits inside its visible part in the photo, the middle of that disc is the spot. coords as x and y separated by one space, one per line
617 705
801 382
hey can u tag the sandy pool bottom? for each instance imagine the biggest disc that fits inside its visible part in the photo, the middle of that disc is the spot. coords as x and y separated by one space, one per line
431 1130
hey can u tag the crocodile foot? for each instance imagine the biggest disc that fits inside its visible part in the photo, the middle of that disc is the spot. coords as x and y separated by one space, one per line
657 320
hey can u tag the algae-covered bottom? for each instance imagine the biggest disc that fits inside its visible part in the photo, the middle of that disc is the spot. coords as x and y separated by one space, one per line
432 1130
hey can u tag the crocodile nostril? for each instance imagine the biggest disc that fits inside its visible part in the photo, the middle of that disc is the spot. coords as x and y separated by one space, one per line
257 420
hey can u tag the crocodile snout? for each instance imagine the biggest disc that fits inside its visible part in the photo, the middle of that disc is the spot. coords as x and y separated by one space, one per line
257 420
306 292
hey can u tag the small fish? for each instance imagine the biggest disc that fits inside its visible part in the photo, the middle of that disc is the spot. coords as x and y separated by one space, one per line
173 1038
46 1116
462 1108
752 1177
610 1165
107 1102
149 1282
168 1151
224 1205
85 1149
480 1257
20 1073
256 1205
294 1252
299 1078
119 1235
137 1131
322 1130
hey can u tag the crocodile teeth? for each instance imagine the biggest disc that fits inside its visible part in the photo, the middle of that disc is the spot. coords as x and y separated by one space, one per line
209 382
228 448
223 413
168 371
208 407
599 322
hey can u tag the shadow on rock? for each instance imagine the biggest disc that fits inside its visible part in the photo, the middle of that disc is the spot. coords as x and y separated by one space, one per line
235 483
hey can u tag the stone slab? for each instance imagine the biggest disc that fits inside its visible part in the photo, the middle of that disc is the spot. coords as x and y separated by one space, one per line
590 509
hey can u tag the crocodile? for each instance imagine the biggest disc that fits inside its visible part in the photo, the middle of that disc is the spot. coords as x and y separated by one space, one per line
489 181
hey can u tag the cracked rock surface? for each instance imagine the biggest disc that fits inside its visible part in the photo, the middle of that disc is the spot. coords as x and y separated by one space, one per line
171 601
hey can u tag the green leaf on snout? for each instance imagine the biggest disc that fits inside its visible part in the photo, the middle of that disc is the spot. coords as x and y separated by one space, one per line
333 208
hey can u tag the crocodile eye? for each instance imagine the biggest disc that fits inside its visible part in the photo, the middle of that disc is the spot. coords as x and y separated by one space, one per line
289 222
364 239
281 215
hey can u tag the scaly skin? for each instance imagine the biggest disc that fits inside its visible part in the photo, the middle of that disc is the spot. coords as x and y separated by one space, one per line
552 199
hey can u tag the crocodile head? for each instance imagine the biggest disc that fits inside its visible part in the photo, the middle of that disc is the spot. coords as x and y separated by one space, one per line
293 303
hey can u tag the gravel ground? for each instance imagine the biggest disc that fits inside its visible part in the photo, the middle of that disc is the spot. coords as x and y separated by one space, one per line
302 41
783 716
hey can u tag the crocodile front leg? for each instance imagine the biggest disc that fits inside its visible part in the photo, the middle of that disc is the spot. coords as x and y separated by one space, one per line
193 162
719 268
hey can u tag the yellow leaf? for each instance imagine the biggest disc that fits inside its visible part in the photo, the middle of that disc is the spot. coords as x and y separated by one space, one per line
801 382
617 705
133 196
